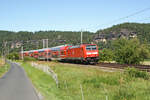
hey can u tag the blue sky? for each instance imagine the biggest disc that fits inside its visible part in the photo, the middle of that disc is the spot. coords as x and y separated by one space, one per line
69 15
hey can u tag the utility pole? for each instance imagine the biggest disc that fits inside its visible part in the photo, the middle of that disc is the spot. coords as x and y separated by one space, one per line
47 43
43 43
8 50
22 53
47 48
2 55
4 51
81 36
37 44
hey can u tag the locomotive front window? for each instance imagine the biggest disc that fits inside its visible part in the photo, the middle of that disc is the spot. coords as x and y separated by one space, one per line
91 47
87 48
94 48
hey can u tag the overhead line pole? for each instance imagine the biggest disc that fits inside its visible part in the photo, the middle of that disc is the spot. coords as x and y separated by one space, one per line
5 44
81 36
22 53
43 43
2 55
47 48
47 43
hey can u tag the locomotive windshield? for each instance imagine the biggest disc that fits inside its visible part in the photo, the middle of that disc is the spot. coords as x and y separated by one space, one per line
91 47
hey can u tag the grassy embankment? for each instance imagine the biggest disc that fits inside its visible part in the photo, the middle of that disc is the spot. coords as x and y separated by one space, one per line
96 84
3 67
146 62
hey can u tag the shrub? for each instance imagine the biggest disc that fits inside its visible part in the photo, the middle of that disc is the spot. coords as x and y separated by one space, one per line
13 56
29 59
133 72
129 51
106 55
145 52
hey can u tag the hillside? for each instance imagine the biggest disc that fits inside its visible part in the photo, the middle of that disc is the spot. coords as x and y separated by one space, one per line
125 30
33 40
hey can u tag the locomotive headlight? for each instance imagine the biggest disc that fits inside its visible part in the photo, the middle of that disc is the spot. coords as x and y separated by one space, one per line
89 53
94 52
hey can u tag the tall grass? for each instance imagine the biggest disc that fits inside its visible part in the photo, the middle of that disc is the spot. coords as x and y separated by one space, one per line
96 84
3 67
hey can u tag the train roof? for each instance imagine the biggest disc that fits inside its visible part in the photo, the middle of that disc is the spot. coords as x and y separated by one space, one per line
61 47
88 44
78 46
58 47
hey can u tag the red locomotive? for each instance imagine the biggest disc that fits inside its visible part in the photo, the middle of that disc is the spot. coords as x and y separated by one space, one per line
86 53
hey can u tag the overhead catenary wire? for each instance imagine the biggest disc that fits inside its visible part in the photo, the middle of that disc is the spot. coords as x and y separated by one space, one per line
147 18
125 17
133 14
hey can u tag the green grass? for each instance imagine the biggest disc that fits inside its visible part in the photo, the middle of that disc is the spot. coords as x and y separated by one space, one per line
147 60
3 68
96 83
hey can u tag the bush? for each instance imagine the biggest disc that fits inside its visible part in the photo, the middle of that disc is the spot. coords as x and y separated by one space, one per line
13 56
29 59
129 51
145 52
136 73
106 55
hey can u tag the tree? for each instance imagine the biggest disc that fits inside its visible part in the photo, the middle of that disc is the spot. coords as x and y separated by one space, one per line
106 55
13 56
129 51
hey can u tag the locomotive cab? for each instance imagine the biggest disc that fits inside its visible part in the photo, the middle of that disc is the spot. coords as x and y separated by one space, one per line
92 55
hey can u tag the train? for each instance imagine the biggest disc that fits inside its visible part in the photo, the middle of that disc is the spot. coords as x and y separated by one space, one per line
84 53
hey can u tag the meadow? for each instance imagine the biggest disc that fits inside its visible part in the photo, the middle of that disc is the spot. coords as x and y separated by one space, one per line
78 83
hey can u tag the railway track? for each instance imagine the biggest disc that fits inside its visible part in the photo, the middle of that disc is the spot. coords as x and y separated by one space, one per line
122 66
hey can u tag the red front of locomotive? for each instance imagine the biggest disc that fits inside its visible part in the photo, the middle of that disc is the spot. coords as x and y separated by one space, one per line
91 53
